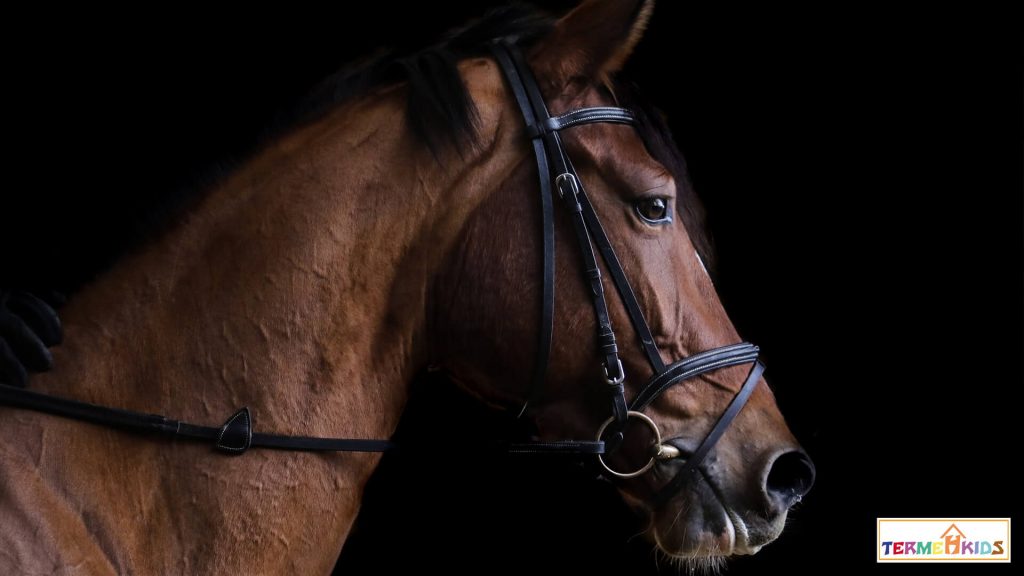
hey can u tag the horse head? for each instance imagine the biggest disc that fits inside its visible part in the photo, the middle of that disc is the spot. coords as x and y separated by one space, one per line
487 321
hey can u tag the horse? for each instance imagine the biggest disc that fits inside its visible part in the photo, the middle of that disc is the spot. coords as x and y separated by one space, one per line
395 232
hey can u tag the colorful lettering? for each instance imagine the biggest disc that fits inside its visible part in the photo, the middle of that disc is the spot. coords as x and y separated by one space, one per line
952 543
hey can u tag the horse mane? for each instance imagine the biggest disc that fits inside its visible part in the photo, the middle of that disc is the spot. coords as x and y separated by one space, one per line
439 109
440 113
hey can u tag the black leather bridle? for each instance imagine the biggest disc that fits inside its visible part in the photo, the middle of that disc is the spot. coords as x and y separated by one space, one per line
556 173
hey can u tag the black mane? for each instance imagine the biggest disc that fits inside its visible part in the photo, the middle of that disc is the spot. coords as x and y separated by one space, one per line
441 113
439 109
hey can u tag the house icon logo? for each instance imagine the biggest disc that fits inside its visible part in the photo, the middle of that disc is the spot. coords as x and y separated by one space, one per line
953 536
943 540
953 528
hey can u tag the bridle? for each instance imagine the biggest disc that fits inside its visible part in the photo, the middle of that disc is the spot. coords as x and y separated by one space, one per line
556 173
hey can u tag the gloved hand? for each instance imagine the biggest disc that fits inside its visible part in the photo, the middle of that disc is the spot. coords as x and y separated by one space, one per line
28 326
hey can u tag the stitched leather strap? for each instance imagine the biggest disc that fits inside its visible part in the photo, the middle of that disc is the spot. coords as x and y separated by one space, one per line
234 437
636 316
693 462
548 132
691 367
554 162
547 302
579 117
561 447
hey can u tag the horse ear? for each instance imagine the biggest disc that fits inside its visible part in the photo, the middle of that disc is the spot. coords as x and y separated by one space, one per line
592 41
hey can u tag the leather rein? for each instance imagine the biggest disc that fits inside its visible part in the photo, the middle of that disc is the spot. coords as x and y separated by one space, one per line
556 173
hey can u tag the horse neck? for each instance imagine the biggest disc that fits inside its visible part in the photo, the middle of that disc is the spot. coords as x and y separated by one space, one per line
298 288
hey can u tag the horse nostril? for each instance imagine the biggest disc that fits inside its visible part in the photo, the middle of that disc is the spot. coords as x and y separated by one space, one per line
790 478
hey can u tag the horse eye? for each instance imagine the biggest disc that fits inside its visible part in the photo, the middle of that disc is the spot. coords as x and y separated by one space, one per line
653 210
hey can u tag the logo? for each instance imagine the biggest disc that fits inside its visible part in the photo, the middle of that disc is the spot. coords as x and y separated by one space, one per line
943 540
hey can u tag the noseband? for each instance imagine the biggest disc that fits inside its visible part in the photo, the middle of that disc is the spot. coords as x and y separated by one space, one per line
556 174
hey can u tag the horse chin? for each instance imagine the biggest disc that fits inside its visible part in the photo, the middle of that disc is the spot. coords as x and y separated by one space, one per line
697 531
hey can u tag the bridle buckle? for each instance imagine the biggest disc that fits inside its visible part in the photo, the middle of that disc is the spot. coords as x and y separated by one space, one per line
574 185
619 377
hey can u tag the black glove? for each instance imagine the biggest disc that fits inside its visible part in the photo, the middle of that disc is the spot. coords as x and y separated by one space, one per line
28 326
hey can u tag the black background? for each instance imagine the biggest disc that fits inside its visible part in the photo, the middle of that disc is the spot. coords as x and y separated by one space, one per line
862 169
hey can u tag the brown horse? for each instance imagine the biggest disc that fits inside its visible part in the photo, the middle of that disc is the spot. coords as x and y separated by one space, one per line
318 279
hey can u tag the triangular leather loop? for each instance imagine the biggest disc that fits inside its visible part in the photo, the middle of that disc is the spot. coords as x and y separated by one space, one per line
236 434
